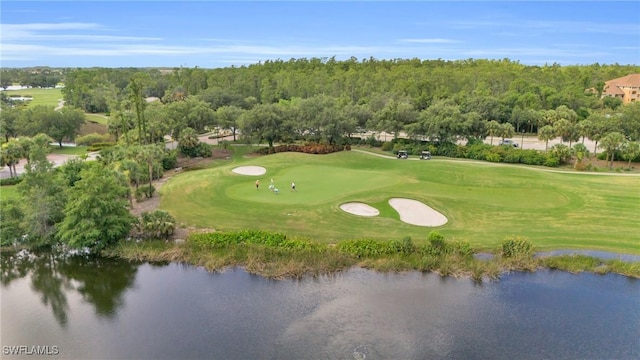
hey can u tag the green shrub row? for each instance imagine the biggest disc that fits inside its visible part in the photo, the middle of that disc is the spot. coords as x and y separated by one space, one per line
252 237
617 156
11 181
362 248
101 145
307 149
475 151
437 246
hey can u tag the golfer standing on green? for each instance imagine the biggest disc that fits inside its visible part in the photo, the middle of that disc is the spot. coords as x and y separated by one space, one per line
258 184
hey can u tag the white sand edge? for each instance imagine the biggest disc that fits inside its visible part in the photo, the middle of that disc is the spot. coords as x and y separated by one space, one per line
250 170
358 208
416 213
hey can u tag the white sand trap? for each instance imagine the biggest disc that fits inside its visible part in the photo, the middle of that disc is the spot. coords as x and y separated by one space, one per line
250 170
357 208
416 213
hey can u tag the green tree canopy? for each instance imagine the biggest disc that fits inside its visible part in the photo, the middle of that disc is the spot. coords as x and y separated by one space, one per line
96 214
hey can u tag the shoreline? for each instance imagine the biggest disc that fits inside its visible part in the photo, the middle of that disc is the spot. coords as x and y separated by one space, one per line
274 262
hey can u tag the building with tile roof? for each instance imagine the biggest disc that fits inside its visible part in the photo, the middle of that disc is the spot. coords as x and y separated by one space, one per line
627 88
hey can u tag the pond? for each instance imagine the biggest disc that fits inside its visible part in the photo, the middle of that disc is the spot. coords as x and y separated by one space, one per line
97 308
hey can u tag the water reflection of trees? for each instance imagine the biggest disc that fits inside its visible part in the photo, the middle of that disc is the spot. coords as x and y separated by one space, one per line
101 282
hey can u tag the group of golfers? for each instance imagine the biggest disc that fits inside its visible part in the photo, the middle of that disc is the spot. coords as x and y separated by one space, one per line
273 188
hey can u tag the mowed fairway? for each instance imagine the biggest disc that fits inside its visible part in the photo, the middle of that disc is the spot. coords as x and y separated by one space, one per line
483 202
48 97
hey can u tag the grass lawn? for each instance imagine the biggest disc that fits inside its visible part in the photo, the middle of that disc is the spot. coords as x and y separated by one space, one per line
49 97
69 150
96 118
484 202
9 192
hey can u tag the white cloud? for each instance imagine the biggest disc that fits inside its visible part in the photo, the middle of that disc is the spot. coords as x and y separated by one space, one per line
565 26
430 41
49 32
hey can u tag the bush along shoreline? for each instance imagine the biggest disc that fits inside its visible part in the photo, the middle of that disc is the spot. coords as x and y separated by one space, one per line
277 256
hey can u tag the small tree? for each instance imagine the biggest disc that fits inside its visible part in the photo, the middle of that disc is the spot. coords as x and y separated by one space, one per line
561 152
96 214
630 150
157 224
507 131
580 151
493 129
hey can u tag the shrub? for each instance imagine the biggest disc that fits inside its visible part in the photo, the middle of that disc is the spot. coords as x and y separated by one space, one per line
100 145
446 149
407 246
533 157
11 229
253 237
552 161
170 160
370 248
157 224
461 248
516 246
145 191
11 181
437 244
477 151
493 157
373 142
310 148
387 146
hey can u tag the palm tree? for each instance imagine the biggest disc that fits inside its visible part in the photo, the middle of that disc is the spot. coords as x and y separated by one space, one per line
630 150
493 127
506 130
546 133
611 142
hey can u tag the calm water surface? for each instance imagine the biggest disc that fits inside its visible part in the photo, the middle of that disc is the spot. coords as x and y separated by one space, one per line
95 308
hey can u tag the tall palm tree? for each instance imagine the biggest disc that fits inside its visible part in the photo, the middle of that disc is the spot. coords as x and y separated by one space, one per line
546 133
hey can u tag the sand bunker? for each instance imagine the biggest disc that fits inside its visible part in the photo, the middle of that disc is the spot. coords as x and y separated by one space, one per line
416 213
250 170
361 209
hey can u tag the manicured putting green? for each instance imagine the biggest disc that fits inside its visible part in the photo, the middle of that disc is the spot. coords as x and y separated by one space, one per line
314 185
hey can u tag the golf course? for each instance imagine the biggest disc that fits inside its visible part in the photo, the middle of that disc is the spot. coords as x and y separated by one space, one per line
483 202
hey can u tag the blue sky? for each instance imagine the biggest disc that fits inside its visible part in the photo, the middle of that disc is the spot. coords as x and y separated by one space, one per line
212 34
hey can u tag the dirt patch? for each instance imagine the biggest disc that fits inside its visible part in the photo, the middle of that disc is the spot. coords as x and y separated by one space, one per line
187 163
91 127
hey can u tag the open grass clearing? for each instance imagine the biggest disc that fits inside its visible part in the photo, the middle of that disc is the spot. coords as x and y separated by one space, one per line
484 204
48 97
9 192
96 118
69 150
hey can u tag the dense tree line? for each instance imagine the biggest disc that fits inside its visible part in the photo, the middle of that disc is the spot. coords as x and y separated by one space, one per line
32 77
325 99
